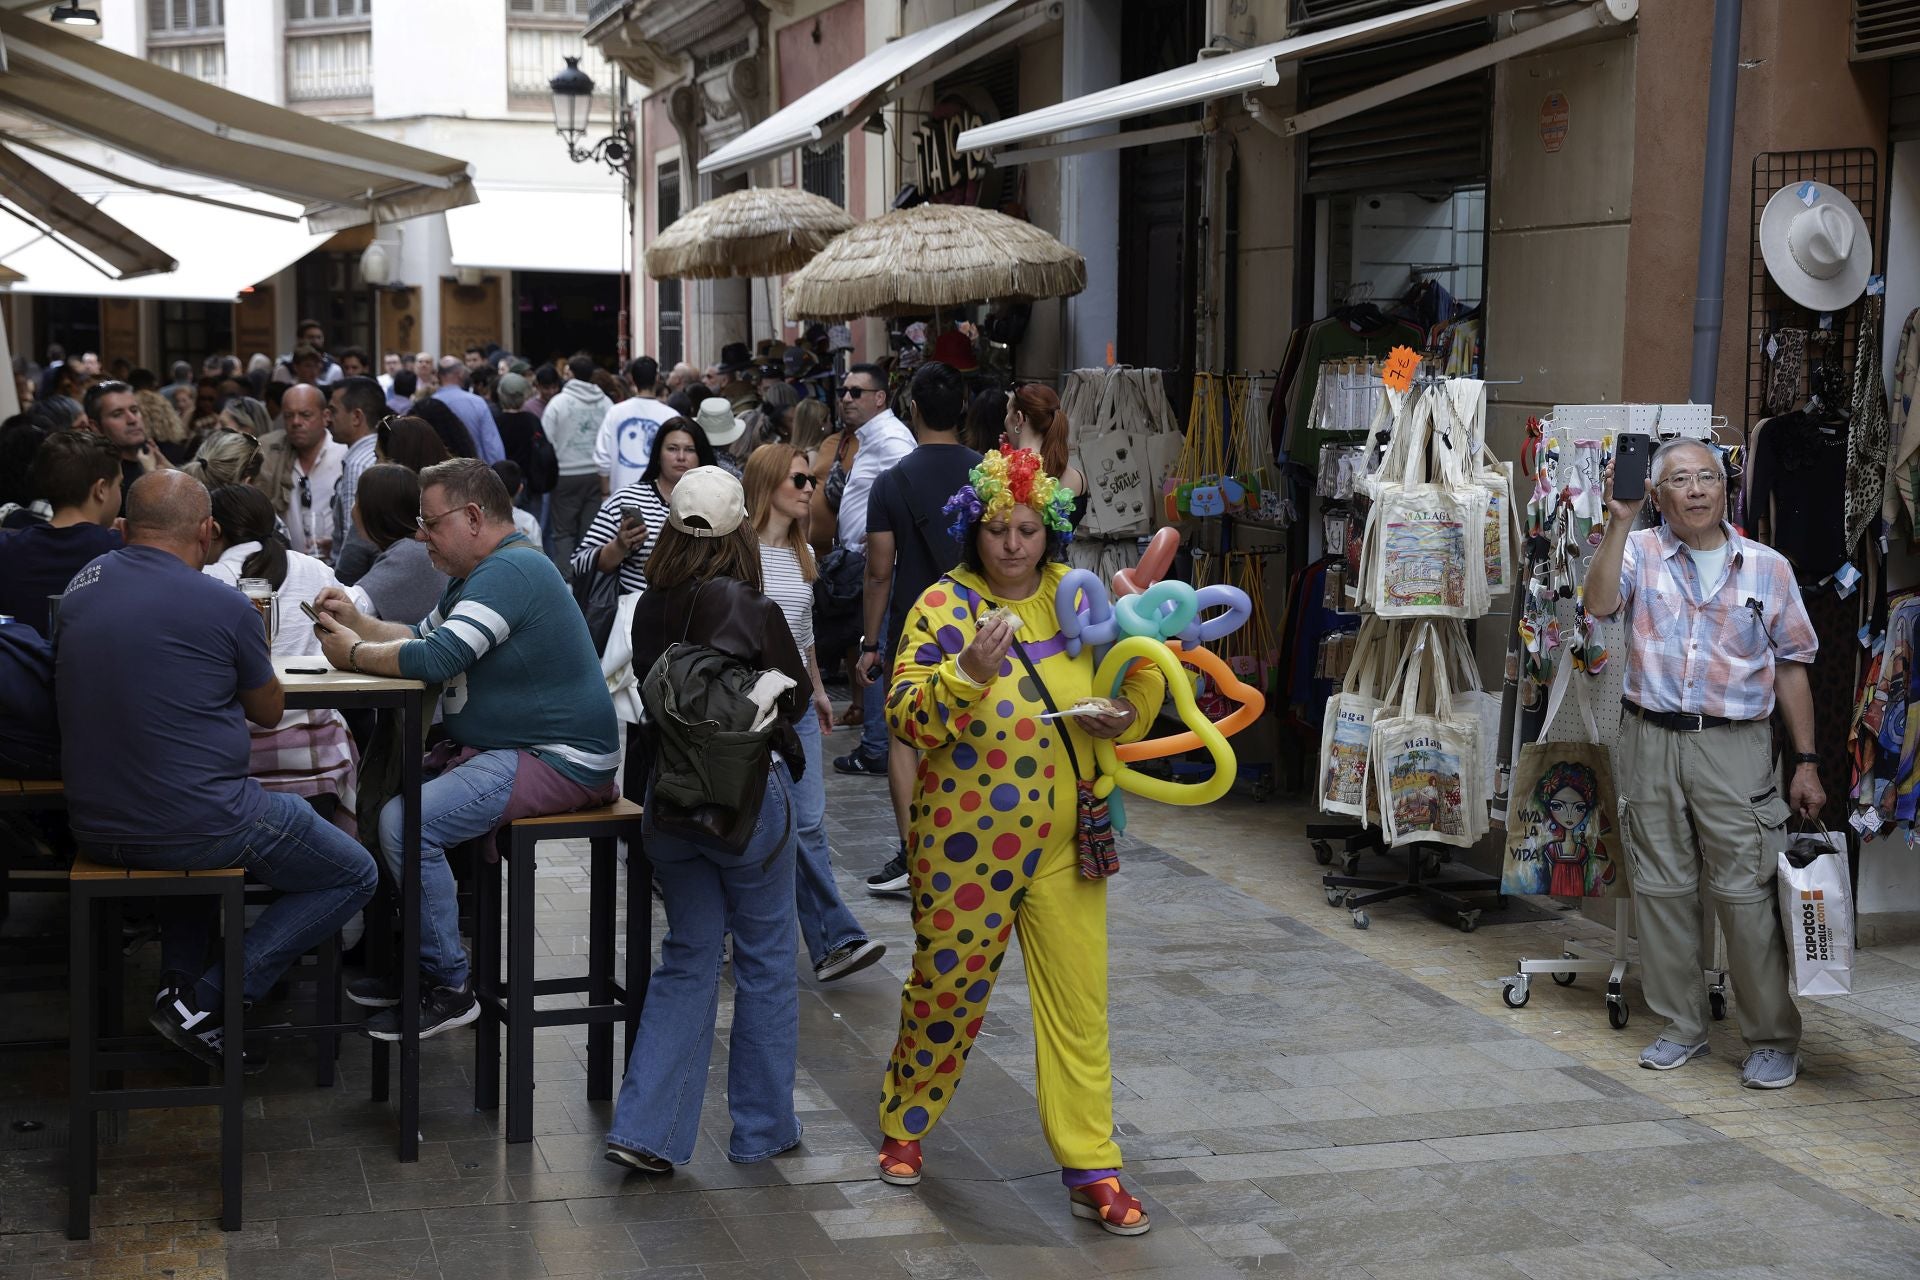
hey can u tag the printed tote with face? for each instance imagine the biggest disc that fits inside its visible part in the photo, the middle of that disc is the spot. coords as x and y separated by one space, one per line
1562 837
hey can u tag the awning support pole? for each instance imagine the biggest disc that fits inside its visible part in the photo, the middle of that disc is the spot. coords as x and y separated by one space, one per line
1709 306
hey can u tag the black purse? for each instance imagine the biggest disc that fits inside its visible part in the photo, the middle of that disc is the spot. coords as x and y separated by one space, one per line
1094 820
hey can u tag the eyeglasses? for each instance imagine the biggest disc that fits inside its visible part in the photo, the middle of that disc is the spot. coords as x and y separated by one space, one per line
306 493
1687 479
426 523
802 481
854 393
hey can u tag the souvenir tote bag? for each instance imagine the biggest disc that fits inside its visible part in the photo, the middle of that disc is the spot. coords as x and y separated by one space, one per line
1460 434
1425 526
1426 757
1346 735
1561 835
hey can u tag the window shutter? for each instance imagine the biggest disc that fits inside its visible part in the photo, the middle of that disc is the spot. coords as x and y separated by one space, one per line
1884 29
1314 15
1439 136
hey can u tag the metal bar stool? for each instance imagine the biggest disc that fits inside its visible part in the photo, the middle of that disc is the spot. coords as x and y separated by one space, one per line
608 1001
97 1048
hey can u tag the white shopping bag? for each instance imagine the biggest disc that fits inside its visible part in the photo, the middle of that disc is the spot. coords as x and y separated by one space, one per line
1816 907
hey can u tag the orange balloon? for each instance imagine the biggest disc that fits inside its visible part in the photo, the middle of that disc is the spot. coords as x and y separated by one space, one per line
1153 565
1253 704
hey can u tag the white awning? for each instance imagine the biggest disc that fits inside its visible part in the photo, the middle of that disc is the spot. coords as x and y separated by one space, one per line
220 251
859 91
340 177
1215 77
540 230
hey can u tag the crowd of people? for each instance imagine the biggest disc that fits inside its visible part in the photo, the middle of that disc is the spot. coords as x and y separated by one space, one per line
571 558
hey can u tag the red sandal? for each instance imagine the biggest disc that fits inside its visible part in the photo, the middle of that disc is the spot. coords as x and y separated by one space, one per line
896 1156
1107 1203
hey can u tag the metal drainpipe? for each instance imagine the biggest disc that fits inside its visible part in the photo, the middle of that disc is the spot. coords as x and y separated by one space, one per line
1709 306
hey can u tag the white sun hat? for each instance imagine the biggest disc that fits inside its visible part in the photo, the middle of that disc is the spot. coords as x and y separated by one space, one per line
1816 246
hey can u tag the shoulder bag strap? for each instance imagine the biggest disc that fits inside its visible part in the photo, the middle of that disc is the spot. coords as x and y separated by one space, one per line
1046 696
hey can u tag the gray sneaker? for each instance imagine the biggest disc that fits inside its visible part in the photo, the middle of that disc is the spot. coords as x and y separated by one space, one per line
849 957
1664 1054
1770 1069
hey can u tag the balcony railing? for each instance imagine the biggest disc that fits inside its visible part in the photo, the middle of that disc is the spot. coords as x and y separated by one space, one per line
329 66
204 62
536 54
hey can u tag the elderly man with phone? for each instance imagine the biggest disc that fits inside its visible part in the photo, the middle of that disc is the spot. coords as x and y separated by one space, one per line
1716 638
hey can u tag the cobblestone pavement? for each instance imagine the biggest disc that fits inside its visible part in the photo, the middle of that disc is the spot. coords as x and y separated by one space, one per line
1294 1096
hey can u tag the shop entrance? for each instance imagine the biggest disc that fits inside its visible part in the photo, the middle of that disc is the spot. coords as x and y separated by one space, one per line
556 313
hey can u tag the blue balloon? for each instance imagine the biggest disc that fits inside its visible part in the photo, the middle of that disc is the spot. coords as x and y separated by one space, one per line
1094 626
1161 612
1218 596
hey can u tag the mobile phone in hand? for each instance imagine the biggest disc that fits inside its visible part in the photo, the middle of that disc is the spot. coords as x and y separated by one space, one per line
313 615
1630 457
630 514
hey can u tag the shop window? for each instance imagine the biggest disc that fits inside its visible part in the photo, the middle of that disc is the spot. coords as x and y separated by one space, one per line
192 331
824 171
1381 244
667 297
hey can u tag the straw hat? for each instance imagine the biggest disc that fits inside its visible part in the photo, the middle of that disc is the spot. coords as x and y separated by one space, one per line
932 255
717 420
1818 253
762 231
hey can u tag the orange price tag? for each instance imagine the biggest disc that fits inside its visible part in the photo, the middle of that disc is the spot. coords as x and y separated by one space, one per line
1401 362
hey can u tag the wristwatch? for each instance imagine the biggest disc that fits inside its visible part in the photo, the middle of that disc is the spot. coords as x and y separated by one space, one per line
1806 757
869 648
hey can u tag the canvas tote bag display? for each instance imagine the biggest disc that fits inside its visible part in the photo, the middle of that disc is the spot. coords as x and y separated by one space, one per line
1426 527
1426 753
1346 735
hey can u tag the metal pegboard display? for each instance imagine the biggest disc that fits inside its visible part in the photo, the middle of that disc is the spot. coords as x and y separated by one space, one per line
1599 421
1855 173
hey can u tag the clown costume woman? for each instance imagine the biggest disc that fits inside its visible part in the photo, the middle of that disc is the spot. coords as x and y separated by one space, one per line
993 832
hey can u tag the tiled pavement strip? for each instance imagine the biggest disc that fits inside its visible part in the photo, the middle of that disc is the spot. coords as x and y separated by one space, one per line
1295 1096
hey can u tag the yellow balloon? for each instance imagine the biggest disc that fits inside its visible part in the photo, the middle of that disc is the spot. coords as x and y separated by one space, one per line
1114 771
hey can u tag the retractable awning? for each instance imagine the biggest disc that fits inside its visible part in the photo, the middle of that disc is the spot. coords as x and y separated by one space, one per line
515 230
212 252
338 176
1252 70
843 103
29 194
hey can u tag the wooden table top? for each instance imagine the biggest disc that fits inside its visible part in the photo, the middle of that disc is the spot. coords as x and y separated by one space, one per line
295 677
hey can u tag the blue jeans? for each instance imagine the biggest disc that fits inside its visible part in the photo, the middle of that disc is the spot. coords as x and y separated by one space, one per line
323 874
825 922
461 804
708 894
874 737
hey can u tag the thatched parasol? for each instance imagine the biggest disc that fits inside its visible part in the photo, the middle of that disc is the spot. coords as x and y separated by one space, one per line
932 255
762 231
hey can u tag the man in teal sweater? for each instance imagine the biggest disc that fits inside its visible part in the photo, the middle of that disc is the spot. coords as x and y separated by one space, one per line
530 723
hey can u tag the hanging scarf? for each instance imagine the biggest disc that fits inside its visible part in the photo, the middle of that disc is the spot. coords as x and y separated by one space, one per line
1867 436
1903 476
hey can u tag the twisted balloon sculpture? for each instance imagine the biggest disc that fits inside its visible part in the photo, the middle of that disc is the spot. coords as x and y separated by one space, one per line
1153 619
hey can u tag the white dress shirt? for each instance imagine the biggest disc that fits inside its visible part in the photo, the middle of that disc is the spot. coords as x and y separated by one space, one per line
310 511
884 440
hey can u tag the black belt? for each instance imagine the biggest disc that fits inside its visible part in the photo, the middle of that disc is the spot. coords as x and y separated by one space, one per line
1677 721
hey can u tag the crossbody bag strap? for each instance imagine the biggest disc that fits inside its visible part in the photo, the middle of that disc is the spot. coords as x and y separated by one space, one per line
1046 696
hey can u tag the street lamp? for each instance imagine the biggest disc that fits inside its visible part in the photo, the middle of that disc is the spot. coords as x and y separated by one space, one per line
74 15
572 109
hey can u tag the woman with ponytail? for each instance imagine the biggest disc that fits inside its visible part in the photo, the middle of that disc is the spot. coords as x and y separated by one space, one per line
1036 421
309 753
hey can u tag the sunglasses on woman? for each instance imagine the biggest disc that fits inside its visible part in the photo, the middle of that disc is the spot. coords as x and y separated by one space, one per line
802 480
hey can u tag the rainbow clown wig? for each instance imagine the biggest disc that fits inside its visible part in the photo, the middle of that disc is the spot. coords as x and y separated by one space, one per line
1007 479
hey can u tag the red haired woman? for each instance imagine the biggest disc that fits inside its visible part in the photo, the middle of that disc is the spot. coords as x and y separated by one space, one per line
1036 421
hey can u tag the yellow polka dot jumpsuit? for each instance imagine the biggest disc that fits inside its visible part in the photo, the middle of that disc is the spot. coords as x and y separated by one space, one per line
992 848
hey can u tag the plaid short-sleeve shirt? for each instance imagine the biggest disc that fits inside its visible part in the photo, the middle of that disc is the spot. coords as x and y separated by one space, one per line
1709 647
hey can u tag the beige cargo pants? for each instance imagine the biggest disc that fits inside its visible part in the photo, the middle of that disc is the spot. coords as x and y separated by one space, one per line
1707 799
